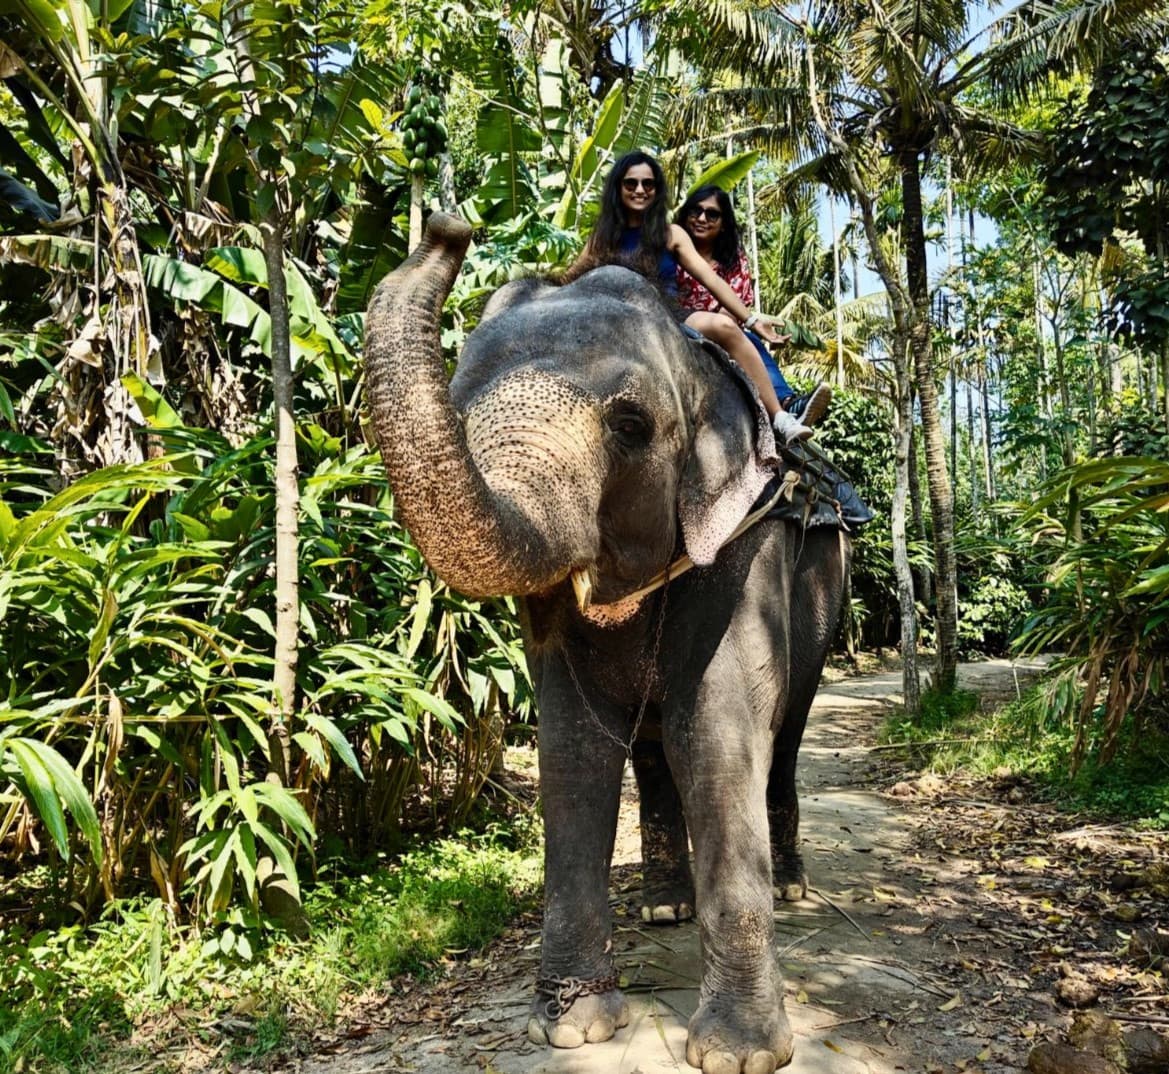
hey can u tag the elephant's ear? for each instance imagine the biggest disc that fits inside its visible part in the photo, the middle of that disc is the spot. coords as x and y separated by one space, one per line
731 460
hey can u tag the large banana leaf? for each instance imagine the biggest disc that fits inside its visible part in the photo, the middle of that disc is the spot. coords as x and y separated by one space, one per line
312 338
13 154
308 323
19 199
728 173
630 117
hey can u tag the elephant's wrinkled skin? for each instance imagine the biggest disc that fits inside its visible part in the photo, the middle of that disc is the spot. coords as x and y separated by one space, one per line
581 425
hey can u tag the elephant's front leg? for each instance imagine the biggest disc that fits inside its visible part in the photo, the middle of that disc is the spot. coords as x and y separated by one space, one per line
740 1026
577 997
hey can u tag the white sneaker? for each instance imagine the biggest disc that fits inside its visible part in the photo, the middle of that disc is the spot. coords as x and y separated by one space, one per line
789 428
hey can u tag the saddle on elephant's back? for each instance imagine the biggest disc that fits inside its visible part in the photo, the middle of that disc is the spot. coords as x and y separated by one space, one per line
811 491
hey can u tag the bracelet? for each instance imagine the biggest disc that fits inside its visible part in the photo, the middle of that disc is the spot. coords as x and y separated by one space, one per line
750 321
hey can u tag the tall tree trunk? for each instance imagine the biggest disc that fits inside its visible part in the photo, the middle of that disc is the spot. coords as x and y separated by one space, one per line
902 314
941 496
836 299
1165 381
287 500
753 239
902 468
270 191
925 578
971 450
1041 361
987 433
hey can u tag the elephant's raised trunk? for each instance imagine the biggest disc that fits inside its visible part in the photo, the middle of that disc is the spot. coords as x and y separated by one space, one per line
476 540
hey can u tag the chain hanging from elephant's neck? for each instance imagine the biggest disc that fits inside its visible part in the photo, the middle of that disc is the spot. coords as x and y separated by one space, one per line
649 680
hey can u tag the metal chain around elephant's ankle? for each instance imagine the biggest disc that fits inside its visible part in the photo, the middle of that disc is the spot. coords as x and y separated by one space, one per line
649 680
565 991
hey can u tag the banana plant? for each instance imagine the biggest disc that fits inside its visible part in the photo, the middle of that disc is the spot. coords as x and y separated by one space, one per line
114 328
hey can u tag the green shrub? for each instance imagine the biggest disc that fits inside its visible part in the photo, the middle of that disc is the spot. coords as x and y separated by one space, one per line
990 613
1105 524
73 995
136 632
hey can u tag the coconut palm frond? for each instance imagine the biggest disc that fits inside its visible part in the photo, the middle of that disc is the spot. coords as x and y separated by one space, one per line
981 140
760 43
1035 40
790 189
769 117
822 364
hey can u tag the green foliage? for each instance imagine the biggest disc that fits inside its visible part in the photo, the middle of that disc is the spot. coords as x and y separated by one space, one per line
997 581
990 611
1030 737
1110 147
49 786
856 433
149 585
1135 430
1103 183
74 994
1106 606
940 711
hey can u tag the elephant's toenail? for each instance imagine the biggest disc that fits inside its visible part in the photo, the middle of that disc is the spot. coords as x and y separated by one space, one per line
603 1029
720 1063
665 913
647 915
536 1032
563 1035
760 1063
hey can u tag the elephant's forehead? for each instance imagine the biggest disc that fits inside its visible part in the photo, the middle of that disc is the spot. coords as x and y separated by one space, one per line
603 347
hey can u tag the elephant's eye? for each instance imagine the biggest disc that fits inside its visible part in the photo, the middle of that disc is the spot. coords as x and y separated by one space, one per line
631 425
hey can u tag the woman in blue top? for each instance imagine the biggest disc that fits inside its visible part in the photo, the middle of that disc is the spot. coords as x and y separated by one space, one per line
633 229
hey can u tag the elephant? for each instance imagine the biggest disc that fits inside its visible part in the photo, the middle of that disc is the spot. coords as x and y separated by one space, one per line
582 443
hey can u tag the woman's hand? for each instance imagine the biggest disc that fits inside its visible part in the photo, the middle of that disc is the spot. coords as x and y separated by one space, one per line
765 330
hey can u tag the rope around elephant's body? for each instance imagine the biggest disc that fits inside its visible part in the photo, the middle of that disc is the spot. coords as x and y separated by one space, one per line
649 679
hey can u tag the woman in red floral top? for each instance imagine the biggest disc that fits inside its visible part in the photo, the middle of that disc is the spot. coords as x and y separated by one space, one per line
709 218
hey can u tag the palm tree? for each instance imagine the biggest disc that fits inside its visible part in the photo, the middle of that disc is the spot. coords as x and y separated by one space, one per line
860 95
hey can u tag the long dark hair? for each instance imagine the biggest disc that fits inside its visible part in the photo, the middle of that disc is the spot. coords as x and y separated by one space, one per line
604 245
726 242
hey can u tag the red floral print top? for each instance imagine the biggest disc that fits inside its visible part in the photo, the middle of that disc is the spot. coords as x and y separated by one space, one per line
694 296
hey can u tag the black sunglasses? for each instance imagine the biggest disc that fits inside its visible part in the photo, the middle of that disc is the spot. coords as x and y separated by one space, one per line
701 211
648 185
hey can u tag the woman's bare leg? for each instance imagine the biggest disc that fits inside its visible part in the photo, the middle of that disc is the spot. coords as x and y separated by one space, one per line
726 332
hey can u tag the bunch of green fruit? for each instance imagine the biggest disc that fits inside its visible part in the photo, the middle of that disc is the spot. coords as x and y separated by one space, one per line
424 133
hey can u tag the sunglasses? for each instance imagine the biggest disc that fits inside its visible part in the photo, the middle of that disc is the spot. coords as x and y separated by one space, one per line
648 185
701 212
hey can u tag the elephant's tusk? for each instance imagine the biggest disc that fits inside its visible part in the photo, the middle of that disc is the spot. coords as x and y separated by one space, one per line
582 586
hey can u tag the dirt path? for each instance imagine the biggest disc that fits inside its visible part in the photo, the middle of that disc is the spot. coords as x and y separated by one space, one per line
942 923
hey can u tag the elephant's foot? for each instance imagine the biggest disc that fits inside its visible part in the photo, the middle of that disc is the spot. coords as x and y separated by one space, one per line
667 896
727 1039
789 878
590 1019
